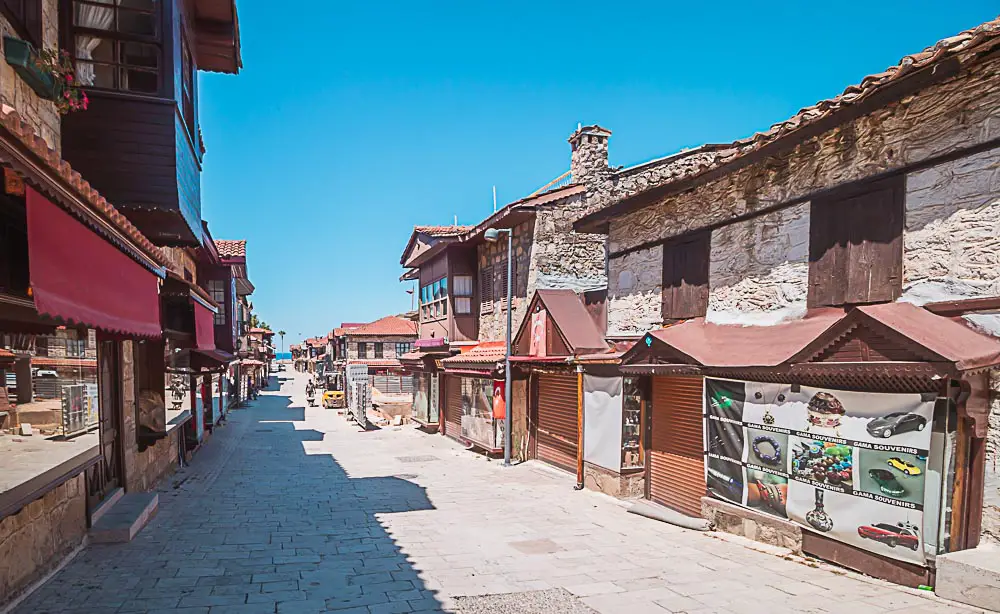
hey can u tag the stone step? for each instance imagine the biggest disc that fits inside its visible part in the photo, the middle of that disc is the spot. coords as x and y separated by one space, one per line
122 522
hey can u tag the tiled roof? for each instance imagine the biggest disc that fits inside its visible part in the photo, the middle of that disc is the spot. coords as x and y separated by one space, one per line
442 231
5 353
375 362
967 44
389 325
46 361
26 134
264 331
487 352
231 248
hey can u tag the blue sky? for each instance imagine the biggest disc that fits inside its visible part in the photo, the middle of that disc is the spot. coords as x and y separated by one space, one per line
353 121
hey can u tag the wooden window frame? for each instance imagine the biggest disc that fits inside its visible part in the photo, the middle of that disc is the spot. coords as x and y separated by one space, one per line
25 17
403 347
431 307
856 244
362 349
685 273
462 298
119 38
379 349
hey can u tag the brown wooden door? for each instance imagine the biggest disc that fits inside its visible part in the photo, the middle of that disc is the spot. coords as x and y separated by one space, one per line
557 435
676 456
453 407
106 475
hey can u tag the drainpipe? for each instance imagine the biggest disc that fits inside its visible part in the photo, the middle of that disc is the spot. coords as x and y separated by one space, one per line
579 428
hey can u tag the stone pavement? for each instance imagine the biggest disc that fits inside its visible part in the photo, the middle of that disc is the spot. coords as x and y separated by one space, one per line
291 509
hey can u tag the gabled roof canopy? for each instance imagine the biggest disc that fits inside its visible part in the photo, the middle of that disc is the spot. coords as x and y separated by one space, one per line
569 328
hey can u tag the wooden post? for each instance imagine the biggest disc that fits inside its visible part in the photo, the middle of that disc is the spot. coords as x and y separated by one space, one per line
579 428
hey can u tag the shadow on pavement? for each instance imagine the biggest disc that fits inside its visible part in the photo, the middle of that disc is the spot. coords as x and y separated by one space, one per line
281 528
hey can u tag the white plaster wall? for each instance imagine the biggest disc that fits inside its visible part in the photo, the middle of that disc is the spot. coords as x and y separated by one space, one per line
759 269
634 285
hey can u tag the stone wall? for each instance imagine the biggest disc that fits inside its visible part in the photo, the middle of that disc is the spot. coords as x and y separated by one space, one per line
145 469
562 258
35 540
635 282
952 240
493 324
628 486
760 266
991 494
14 92
955 114
758 526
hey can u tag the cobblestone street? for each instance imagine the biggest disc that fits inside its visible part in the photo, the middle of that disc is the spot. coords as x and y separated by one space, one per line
288 509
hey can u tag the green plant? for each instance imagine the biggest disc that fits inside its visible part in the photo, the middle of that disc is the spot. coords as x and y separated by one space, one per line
57 64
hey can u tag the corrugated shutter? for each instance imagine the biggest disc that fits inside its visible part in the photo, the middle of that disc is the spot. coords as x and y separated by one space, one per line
453 407
558 435
676 455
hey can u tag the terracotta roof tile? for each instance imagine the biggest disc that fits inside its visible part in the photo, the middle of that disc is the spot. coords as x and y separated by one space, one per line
487 352
46 361
375 362
13 123
235 248
442 231
389 325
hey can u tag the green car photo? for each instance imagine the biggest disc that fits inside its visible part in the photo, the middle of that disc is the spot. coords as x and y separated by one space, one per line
887 482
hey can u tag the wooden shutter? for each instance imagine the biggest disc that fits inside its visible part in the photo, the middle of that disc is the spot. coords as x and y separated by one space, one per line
486 290
685 277
558 432
676 452
856 246
453 406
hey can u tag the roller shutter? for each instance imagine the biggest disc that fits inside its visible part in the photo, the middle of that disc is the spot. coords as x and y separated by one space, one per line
453 407
557 430
676 456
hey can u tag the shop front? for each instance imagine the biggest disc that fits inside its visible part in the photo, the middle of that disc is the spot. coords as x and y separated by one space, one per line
473 379
854 437
424 365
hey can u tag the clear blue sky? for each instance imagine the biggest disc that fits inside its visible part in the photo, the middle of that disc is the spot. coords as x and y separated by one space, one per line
353 121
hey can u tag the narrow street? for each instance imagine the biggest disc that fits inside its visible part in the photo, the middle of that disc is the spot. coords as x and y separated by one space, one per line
289 509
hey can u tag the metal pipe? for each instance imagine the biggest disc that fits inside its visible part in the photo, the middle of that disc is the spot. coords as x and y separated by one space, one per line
508 420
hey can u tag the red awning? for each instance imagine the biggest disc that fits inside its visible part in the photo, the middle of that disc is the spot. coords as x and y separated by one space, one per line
204 327
78 277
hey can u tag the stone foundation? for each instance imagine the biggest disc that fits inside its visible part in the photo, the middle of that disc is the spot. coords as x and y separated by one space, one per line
143 469
34 540
751 524
622 486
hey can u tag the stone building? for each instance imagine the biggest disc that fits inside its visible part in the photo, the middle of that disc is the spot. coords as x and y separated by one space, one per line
852 247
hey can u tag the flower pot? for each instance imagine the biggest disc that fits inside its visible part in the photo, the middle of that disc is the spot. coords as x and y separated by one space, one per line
22 57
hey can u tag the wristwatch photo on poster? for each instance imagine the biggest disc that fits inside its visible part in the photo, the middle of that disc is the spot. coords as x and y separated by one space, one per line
852 466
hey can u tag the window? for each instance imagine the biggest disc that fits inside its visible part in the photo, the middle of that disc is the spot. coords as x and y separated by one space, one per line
486 290
463 294
856 246
25 17
362 349
379 349
402 347
116 44
434 299
217 288
500 289
187 86
685 277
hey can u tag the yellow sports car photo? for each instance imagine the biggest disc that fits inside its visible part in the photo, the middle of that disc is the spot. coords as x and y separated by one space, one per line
902 465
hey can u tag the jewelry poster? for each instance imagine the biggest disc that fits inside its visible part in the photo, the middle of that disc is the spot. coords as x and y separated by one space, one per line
848 465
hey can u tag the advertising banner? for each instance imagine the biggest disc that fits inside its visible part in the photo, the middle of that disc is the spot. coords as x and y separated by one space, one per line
848 465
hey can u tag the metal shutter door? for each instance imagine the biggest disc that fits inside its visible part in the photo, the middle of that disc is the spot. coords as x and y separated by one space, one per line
677 459
557 420
453 407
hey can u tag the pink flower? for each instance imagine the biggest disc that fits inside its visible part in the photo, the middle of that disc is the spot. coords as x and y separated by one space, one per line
69 78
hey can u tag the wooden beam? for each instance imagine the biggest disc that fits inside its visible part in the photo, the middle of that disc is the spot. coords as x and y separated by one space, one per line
986 304
579 430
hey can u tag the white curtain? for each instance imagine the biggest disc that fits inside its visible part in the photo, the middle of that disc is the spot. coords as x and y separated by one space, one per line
94 18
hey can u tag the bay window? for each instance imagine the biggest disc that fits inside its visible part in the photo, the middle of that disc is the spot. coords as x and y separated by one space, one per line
434 299
116 44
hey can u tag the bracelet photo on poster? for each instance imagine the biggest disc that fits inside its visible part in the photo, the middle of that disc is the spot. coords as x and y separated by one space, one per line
849 465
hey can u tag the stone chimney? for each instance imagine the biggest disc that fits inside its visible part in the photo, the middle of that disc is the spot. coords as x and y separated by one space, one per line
590 153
